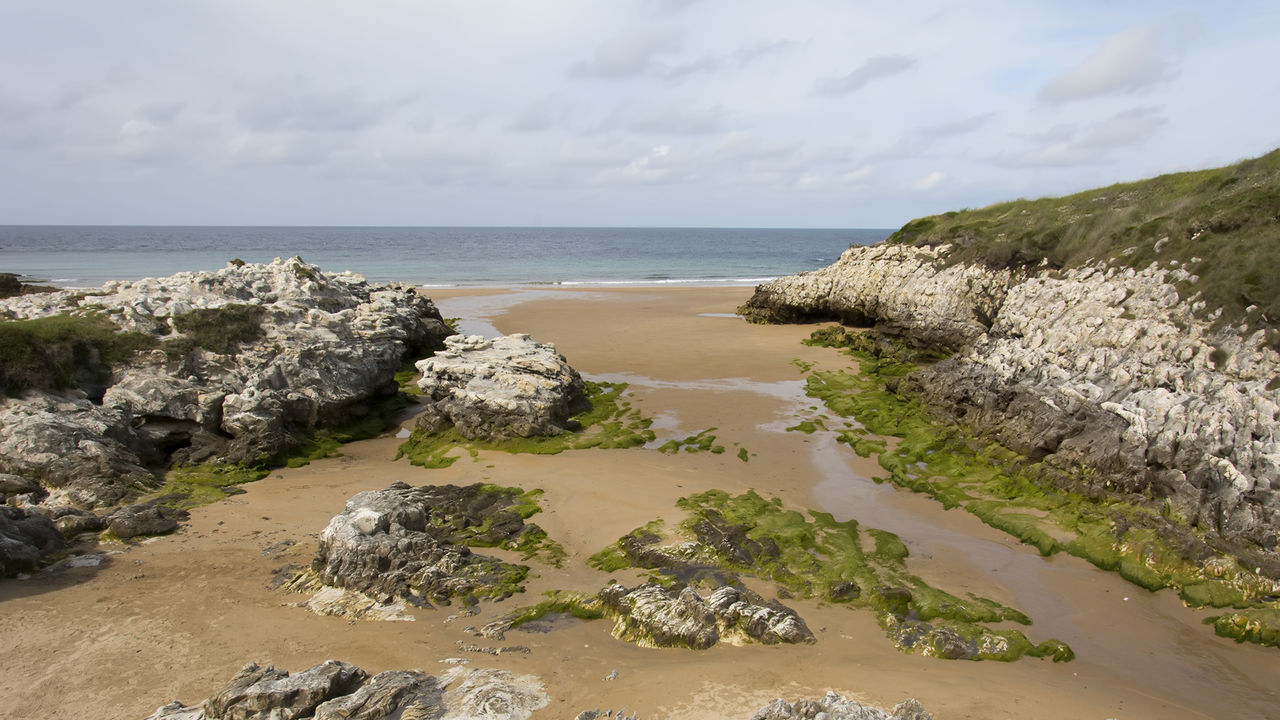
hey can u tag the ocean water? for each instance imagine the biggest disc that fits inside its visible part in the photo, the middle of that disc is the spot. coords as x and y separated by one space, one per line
87 256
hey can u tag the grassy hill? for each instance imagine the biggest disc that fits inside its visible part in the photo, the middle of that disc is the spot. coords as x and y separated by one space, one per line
1223 225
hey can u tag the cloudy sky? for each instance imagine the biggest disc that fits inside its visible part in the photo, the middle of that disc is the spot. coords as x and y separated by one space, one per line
621 113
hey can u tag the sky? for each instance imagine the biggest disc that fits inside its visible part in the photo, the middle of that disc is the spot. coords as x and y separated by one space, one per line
663 113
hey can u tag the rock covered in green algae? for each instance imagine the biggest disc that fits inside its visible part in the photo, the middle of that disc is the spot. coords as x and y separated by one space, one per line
413 543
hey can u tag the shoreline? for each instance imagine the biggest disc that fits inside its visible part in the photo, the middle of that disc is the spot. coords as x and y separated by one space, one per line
151 626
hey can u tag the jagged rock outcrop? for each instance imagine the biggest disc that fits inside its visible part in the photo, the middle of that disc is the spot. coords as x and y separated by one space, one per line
653 616
246 361
500 388
335 690
26 538
836 707
898 288
412 543
1097 367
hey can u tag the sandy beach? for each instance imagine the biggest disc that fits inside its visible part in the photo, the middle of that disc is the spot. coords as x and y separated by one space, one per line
176 616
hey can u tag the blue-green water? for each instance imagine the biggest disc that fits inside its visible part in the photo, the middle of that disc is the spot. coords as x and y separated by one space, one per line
86 256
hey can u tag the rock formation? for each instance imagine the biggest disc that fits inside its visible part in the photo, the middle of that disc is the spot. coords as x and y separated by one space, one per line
412 544
334 690
499 389
26 538
1094 367
652 616
237 365
836 707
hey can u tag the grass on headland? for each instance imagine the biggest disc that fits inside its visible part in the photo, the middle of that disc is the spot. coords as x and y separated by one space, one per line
1222 225
1006 491
609 423
64 351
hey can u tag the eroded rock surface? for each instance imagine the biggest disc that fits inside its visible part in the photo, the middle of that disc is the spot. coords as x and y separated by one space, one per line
249 360
500 388
653 616
1097 367
412 543
26 539
334 690
836 707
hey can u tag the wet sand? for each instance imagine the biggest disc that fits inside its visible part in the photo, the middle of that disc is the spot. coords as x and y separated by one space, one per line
175 617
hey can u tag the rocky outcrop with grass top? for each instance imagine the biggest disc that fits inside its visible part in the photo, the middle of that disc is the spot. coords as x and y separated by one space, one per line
1122 337
105 388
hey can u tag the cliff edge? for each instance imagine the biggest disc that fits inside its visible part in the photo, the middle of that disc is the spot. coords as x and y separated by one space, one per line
1123 337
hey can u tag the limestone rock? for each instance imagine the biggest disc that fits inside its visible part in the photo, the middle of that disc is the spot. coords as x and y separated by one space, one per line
251 359
335 690
836 707
25 539
406 542
1105 368
652 616
143 519
501 388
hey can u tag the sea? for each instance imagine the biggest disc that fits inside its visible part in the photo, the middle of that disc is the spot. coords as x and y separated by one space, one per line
88 256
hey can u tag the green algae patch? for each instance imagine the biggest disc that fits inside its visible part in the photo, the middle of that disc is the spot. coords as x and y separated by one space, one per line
808 427
196 485
743 455
810 554
1258 626
610 423
1144 543
704 441
500 508
583 607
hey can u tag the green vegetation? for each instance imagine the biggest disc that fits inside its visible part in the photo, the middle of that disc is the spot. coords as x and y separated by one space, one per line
195 485
64 351
813 555
583 607
1222 225
609 423
1144 542
808 427
501 504
1261 626
407 378
220 330
743 455
702 442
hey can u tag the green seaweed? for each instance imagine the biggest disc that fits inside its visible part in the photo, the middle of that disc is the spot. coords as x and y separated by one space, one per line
1260 626
704 441
191 486
1141 542
607 424
583 607
811 554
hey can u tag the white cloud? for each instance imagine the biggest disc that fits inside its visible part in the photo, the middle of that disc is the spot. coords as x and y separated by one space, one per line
930 181
1126 62
876 68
